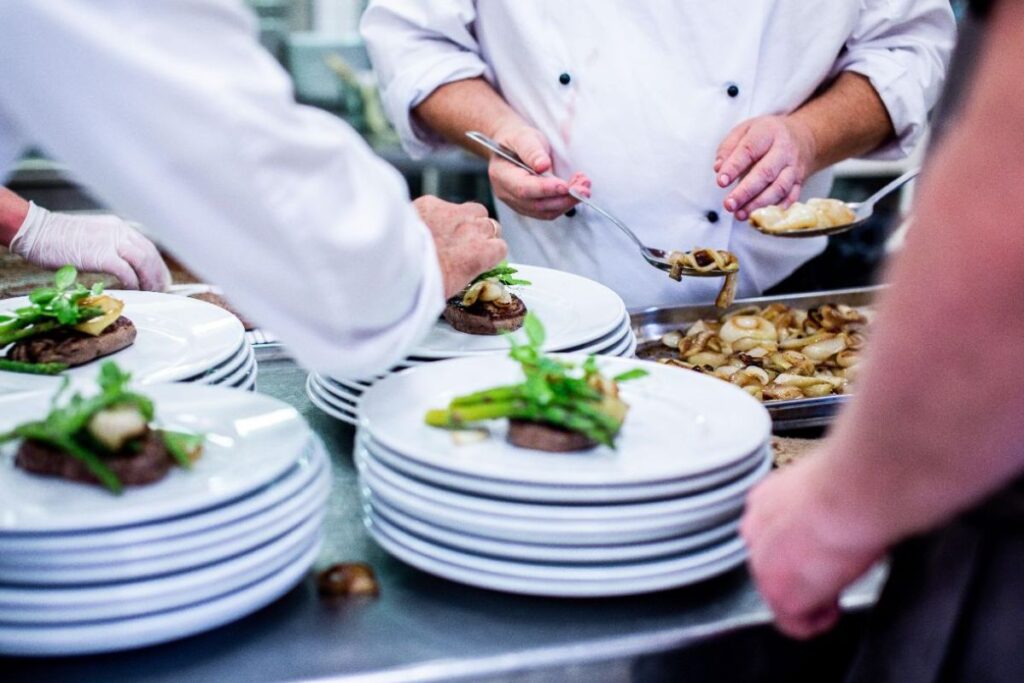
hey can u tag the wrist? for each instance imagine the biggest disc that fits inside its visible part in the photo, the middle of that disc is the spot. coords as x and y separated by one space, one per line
842 517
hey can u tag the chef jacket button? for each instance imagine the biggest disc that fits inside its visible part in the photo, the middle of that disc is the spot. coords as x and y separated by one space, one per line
712 216
733 90
565 79
570 213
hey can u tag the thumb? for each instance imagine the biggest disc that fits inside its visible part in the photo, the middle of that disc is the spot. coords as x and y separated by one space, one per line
532 148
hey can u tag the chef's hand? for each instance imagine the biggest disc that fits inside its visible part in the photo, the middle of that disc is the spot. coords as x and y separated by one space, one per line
100 244
542 198
771 156
802 552
468 242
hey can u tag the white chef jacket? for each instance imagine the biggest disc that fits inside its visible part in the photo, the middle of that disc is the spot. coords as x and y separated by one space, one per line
653 87
173 114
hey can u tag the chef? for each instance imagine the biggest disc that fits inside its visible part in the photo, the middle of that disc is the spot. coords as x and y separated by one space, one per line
684 116
928 460
94 243
173 113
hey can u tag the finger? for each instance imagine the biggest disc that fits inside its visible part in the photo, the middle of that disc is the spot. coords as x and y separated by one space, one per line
488 254
151 270
474 209
748 151
520 185
756 181
728 145
555 206
806 625
776 193
122 270
533 149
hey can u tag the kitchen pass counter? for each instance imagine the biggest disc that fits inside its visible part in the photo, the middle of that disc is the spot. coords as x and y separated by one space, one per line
423 628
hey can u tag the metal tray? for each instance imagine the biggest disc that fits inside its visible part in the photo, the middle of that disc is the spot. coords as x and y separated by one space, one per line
651 323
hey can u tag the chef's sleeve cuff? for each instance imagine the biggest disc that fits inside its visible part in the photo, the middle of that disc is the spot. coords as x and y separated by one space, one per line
409 89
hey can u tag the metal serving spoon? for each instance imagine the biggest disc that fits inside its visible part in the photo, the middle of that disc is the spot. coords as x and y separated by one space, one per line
862 211
655 257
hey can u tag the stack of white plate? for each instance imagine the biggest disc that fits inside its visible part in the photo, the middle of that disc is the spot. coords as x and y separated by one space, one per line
85 571
178 340
579 315
658 512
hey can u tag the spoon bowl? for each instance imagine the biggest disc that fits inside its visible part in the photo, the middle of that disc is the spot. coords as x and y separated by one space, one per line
862 211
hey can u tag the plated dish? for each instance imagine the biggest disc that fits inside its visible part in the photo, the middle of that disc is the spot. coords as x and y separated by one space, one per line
558 407
63 326
108 438
488 306
772 352
815 214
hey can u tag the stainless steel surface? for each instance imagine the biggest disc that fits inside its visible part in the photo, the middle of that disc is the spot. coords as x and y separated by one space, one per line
426 629
862 211
656 257
650 324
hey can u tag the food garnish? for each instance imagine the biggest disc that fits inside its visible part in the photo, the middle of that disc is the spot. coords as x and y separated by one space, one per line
32 368
66 304
816 214
706 260
66 324
555 394
103 433
774 353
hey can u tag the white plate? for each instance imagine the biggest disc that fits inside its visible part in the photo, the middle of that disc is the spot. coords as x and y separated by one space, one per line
251 440
552 513
602 554
314 393
573 533
213 520
237 376
575 311
558 494
680 424
231 368
142 561
351 391
126 634
550 588
177 338
54 606
337 393
249 383
562 572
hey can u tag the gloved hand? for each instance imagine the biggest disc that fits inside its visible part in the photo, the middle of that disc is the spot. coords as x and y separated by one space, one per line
103 244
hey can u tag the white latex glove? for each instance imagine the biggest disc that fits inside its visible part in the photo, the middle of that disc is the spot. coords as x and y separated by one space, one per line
100 244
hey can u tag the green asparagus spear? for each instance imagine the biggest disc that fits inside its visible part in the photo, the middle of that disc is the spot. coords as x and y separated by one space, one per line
32 368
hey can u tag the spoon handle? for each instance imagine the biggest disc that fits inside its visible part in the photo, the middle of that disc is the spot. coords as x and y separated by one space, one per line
511 157
501 150
892 187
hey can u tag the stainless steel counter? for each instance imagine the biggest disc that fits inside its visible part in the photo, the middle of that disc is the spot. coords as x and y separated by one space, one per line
426 629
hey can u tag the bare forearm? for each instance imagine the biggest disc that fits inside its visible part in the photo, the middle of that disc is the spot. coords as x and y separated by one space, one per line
457 108
937 423
847 120
13 210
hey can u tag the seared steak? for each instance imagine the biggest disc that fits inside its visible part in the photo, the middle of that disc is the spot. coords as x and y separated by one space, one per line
148 465
544 437
485 318
70 346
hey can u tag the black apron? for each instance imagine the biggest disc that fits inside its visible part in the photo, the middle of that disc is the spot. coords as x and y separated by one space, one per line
952 610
